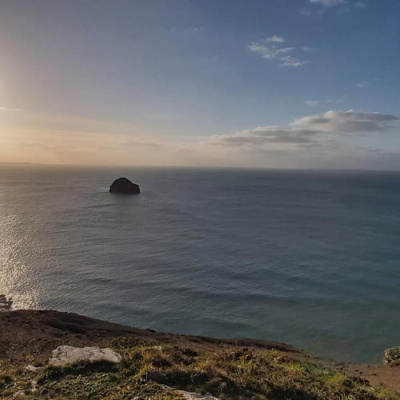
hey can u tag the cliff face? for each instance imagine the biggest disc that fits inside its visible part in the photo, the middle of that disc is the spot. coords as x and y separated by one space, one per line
161 366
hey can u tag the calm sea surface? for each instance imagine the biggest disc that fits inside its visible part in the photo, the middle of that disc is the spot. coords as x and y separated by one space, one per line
308 258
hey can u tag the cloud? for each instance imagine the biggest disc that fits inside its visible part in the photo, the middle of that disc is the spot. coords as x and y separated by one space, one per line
359 4
9 109
135 143
267 135
305 11
363 84
269 52
271 49
328 3
316 131
312 103
308 49
289 61
275 39
347 122
193 31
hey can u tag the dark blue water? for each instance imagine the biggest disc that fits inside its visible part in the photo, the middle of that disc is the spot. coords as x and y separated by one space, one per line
309 258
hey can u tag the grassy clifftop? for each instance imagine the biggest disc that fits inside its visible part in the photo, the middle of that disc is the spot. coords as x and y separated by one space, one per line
161 366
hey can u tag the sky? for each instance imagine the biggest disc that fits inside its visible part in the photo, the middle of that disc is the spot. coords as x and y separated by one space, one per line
212 83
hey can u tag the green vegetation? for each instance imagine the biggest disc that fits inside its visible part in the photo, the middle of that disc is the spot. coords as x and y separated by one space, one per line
158 370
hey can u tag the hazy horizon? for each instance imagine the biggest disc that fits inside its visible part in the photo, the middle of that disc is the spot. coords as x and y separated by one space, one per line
201 167
286 84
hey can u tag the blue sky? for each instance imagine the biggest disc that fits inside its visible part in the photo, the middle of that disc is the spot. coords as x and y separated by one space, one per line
278 83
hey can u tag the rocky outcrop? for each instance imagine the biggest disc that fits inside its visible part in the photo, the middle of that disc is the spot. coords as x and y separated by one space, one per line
124 186
64 355
5 303
392 355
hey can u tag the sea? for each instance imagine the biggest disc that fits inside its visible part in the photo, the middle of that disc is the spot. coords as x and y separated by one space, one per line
310 258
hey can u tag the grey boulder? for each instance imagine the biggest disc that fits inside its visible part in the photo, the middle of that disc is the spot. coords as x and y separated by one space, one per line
64 355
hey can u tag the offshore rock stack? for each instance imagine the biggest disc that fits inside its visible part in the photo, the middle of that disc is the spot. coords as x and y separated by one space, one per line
124 186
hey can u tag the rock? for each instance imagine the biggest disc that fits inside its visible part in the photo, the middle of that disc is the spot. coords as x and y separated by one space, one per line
30 368
391 355
20 393
64 355
5 303
191 395
197 396
124 186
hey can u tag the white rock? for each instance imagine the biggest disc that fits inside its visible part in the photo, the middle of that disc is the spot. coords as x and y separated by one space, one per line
192 395
64 355
197 396
391 355
30 368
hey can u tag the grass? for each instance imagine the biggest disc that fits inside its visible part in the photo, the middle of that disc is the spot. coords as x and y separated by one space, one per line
154 370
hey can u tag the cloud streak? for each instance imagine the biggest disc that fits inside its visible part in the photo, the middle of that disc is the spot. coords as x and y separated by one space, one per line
272 48
263 135
312 103
310 131
363 84
9 109
328 3
347 122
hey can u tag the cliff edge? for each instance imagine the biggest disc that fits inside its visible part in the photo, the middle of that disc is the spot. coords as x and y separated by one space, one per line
152 365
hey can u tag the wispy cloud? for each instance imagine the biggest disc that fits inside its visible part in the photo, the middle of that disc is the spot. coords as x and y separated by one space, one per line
308 49
363 84
193 31
275 39
135 143
328 3
305 11
272 48
359 4
289 61
9 109
312 103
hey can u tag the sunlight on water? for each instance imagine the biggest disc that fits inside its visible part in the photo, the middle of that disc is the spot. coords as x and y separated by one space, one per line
15 277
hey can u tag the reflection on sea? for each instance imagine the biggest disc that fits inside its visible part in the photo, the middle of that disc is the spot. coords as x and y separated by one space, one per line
17 280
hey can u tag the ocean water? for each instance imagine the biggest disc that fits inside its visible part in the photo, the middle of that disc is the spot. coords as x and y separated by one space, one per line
310 258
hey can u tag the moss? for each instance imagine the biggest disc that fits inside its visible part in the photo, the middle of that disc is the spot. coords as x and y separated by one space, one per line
383 393
56 373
